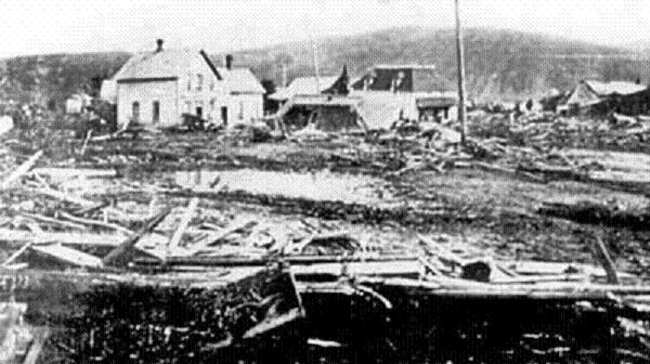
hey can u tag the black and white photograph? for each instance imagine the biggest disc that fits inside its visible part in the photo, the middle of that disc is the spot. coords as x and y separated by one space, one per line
325 182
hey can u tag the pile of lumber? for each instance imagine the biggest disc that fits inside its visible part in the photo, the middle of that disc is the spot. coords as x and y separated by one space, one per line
607 214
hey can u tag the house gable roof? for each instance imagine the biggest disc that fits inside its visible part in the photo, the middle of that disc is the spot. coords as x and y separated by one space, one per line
164 65
305 86
614 87
170 64
589 92
241 81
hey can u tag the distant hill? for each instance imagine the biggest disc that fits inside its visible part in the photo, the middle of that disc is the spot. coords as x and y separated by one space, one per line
500 64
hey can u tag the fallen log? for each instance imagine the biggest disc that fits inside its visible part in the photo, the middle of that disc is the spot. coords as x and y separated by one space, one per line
21 170
586 212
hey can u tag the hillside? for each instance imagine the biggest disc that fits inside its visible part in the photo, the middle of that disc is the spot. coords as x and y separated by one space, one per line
500 64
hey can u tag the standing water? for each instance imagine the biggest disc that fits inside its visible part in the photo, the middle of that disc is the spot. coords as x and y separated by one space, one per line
319 186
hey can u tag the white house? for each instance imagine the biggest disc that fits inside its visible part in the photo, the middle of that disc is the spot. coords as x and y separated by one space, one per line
158 87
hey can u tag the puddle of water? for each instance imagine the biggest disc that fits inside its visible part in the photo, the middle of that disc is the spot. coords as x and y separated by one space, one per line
320 186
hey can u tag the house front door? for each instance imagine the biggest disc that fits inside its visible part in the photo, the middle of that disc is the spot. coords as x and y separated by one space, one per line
135 112
155 112
224 115
199 112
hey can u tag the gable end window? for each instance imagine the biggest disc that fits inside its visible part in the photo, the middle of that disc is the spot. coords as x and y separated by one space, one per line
199 82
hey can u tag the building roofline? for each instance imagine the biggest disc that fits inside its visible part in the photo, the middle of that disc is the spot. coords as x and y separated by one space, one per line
403 66
210 64
146 79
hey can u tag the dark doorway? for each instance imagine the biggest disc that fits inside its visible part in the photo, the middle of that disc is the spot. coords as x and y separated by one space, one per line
156 112
224 115
135 112
199 111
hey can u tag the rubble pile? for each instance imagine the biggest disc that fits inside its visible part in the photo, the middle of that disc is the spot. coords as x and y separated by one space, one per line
548 131
158 324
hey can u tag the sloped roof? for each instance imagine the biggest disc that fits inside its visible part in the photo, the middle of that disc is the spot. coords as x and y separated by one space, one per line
326 100
168 63
305 86
590 92
172 63
241 80
614 87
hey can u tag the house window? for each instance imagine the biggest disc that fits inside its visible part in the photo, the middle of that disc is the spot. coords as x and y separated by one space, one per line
199 82
241 110
213 104
135 111
155 112
189 82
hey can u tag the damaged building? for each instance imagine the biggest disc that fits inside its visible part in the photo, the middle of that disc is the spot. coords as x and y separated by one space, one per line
378 99
590 97
434 96
158 87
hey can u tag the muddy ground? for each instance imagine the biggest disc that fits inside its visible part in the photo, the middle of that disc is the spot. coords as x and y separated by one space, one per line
367 188
349 182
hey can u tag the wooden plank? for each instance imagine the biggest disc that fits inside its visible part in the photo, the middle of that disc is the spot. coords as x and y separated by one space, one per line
96 223
17 254
36 347
84 239
207 242
185 221
69 256
85 143
603 256
47 191
122 255
74 172
52 220
21 170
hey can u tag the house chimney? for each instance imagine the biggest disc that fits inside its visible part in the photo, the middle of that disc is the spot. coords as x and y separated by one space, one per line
228 61
159 43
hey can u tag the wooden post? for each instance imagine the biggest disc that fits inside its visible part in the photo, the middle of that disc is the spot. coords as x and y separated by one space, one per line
460 54
21 170
606 261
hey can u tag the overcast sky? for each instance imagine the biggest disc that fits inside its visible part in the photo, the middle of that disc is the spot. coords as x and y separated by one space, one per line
49 26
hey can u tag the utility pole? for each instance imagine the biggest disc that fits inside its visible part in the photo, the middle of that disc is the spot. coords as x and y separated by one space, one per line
460 54
284 75
314 57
